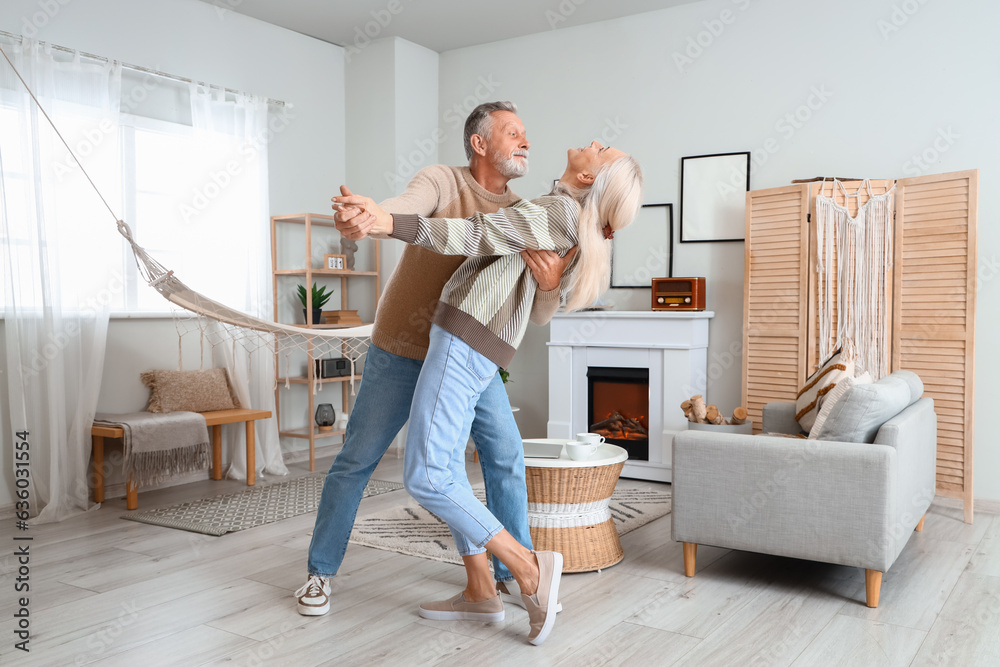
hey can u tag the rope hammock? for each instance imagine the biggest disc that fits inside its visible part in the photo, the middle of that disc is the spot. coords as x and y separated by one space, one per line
225 325
864 254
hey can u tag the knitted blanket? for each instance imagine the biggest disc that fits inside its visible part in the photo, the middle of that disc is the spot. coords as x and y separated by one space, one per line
158 446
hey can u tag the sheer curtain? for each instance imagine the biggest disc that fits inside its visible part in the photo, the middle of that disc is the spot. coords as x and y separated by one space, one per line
59 246
237 185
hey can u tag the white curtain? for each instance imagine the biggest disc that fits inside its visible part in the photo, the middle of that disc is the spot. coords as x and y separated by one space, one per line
241 189
59 247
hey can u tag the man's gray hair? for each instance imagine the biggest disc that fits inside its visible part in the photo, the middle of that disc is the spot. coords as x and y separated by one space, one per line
480 122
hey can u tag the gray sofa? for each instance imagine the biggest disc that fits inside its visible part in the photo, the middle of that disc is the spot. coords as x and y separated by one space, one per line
849 503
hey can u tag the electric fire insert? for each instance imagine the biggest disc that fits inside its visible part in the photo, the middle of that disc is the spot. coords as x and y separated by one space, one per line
618 407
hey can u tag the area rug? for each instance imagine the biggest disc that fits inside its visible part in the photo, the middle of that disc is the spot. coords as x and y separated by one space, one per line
414 531
250 508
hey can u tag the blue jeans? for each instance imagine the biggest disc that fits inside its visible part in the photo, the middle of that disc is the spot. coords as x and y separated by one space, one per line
381 409
441 416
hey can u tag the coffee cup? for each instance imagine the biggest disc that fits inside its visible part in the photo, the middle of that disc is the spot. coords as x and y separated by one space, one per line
595 438
581 451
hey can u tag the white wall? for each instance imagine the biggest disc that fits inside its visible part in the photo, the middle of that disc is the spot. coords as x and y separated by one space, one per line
370 98
416 104
392 110
880 95
201 41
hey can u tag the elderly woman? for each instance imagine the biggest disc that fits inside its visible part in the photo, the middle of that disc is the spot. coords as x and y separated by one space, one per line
480 321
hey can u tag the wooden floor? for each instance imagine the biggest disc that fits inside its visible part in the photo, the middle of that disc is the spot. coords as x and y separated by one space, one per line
111 592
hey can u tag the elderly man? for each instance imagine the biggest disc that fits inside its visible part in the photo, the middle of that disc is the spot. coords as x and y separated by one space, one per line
497 148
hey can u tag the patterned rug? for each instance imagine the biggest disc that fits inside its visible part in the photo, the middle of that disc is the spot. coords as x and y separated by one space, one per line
414 531
250 508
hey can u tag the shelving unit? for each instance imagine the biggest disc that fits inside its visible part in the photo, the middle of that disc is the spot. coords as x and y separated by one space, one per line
310 432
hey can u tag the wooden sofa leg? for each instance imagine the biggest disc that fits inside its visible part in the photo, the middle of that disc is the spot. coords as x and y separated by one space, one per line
873 584
690 553
920 526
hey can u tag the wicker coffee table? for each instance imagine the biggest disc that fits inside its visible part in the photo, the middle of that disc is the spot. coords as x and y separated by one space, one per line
568 507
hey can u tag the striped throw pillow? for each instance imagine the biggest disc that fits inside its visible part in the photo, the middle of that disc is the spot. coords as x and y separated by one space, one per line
810 398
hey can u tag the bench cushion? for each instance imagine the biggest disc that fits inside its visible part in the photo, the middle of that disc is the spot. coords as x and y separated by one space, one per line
192 391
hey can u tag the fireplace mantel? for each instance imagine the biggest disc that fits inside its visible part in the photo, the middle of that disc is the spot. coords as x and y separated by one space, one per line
673 346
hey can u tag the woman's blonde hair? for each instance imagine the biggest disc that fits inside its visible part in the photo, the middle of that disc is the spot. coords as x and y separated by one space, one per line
614 200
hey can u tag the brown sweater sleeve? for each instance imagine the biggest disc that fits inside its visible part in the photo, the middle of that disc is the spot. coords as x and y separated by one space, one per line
421 197
544 306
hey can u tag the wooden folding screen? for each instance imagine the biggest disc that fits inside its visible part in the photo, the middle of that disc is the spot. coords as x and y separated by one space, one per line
775 296
932 291
935 311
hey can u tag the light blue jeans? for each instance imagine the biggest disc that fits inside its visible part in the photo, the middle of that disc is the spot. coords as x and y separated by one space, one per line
451 382
381 409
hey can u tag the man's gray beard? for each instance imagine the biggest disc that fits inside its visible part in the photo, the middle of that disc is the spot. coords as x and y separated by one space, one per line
510 167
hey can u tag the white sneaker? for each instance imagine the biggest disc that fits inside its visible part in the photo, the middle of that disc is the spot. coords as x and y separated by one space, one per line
314 596
510 593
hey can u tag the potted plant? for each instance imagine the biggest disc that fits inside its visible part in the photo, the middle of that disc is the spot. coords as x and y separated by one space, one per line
320 295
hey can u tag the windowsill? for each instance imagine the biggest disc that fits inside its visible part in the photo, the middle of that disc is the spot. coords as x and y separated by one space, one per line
125 315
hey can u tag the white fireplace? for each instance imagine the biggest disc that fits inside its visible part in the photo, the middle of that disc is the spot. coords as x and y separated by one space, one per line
599 357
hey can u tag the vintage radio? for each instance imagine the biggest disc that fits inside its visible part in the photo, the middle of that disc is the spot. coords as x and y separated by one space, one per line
332 368
678 294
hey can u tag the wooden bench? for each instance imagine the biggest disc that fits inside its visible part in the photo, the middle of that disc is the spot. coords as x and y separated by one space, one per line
215 419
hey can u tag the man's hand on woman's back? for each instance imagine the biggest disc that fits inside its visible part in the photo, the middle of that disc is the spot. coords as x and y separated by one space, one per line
547 267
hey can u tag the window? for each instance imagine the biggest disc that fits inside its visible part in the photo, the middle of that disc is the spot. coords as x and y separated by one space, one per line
190 198
15 182
84 263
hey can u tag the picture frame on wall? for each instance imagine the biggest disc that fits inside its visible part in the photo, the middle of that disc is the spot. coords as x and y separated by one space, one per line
644 250
713 197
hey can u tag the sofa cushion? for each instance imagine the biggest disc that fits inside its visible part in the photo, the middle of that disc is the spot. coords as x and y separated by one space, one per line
914 382
832 398
810 398
859 414
192 391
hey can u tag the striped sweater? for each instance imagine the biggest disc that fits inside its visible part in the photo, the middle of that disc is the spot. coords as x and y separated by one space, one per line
410 298
487 301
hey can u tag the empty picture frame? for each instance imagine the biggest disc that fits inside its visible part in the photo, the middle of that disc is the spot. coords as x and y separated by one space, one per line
644 250
713 197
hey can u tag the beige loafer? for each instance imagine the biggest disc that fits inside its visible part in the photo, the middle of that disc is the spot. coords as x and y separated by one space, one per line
542 605
510 593
458 609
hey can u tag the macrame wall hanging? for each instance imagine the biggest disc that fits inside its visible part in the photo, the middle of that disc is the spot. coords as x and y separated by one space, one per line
863 246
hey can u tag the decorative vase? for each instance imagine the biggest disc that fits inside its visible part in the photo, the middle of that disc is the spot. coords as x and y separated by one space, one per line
325 416
317 317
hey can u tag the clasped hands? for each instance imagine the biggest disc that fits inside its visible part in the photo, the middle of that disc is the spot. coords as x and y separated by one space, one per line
358 217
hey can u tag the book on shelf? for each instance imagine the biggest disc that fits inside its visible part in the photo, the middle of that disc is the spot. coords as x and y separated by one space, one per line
341 317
